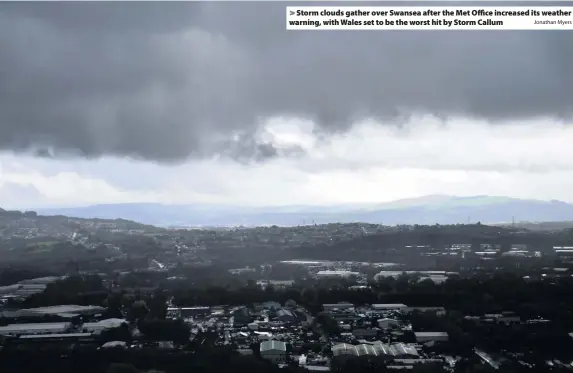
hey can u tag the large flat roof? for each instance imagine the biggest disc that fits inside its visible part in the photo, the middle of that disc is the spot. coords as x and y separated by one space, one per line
107 323
34 326
343 304
71 308
389 305
273 345
376 349
336 273
430 334
61 335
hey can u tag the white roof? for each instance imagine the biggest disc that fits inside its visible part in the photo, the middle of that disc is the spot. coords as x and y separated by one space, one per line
431 334
389 305
114 344
105 324
273 345
336 273
389 273
317 368
64 309
365 349
34 326
62 335
344 349
41 280
376 349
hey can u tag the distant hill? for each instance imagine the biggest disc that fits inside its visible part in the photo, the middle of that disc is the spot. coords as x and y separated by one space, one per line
548 226
434 209
13 219
381 246
26 237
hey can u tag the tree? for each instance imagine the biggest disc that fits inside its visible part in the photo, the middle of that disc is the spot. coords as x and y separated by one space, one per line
158 305
176 331
138 310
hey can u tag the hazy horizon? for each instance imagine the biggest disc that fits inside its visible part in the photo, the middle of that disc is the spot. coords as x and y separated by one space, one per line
398 203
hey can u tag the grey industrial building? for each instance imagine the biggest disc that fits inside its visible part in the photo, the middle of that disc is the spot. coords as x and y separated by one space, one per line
422 337
392 351
37 328
339 306
274 351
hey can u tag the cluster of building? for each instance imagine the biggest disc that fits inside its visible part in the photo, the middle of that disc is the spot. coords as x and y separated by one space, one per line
380 330
268 326
69 328
26 288
437 277
29 225
283 333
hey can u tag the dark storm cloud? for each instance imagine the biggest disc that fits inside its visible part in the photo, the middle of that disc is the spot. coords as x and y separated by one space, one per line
246 148
166 81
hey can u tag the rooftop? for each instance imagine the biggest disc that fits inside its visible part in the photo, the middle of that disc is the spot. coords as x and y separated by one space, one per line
376 349
341 304
283 312
33 326
62 335
64 309
389 305
431 334
273 345
337 273
344 349
40 280
108 323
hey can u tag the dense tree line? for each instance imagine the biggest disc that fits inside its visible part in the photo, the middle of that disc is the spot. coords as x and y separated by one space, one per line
551 298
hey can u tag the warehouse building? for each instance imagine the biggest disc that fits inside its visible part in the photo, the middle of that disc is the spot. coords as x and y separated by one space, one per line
71 309
342 274
338 306
286 316
422 337
438 311
392 351
389 306
273 351
98 327
52 340
387 323
37 328
44 338
41 280
27 290
240 317
344 350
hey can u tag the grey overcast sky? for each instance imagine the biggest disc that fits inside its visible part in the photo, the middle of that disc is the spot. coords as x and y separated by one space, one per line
216 102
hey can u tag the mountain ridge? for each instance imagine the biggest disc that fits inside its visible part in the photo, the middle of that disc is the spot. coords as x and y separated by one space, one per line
432 209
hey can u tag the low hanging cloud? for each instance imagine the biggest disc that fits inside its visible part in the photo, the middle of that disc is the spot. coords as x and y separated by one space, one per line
171 81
